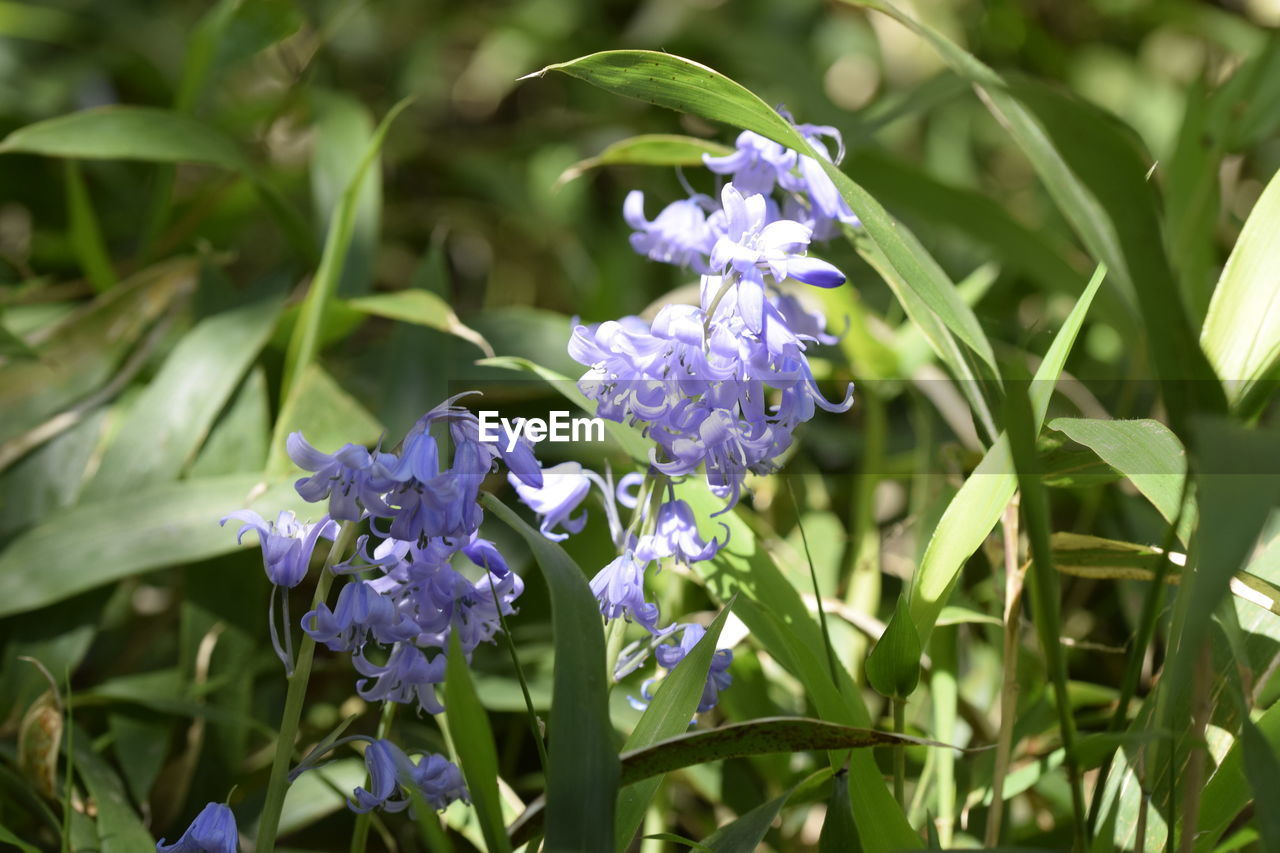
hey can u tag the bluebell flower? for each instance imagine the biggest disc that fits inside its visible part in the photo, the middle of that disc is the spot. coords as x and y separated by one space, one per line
287 544
680 235
446 601
407 676
675 535
486 555
756 165
394 777
213 831
718 677
619 587
353 479
361 610
564 488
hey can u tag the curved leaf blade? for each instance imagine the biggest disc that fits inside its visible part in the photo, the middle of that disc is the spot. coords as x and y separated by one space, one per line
583 770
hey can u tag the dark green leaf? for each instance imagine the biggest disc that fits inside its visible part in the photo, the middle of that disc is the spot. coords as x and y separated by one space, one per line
839 832
748 831
473 739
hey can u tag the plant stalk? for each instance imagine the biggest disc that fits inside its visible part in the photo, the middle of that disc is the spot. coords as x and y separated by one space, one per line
900 752
269 822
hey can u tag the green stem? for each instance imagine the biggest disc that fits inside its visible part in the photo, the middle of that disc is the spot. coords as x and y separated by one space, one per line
900 752
360 834
269 822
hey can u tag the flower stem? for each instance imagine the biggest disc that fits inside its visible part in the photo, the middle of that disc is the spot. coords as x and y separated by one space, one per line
269 822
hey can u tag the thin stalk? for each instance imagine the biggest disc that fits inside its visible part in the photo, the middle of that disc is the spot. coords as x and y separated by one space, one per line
613 647
817 592
534 728
278 784
1201 708
900 752
360 833
945 699
1013 579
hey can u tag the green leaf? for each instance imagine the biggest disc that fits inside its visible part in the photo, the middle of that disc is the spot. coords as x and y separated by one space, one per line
319 793
473 739
1241 333
81 352
170 419
649 149
582 776
238 441
128 133
686 86
839 832
769 735
1229 790
120 830
1261 767
151 528
1095 170
304 345
748 831
893 667
976 508
325 414
84 233
673 706
344 130
1145 451
9 838
422 308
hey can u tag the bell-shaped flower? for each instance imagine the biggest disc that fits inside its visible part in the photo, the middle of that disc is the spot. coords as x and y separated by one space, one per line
486 555
564 488
680 234
405 677
353 479
718 677
675 535
756 164
619 587
361 611
213 831
287 544
394 778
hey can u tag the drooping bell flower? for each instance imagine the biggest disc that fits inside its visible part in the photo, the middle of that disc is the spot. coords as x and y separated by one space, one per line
213 831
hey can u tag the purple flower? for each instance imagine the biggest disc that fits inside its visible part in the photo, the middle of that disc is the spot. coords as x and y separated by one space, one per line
756 165
680 234
353 479
445 601
406 676
718 677
619 587
287 545
676 535
360 611
394 777
564 488
213 831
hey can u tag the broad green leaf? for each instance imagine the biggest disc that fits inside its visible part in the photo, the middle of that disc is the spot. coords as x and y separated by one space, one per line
1241 333
326 415
239 438
80 353
304 345
976 508
1228 791
170 419
151 528
748 831
669 713
1145 451
893 667
582 777
472 737
319 793
128 133
765 736
839 831
686 86
140 743
84 232
120 830
9 838
344 130
422 308
1094 169
1264 778
649 149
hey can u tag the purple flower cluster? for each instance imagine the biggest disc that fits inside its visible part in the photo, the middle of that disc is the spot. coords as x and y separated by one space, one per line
422 576
719 387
